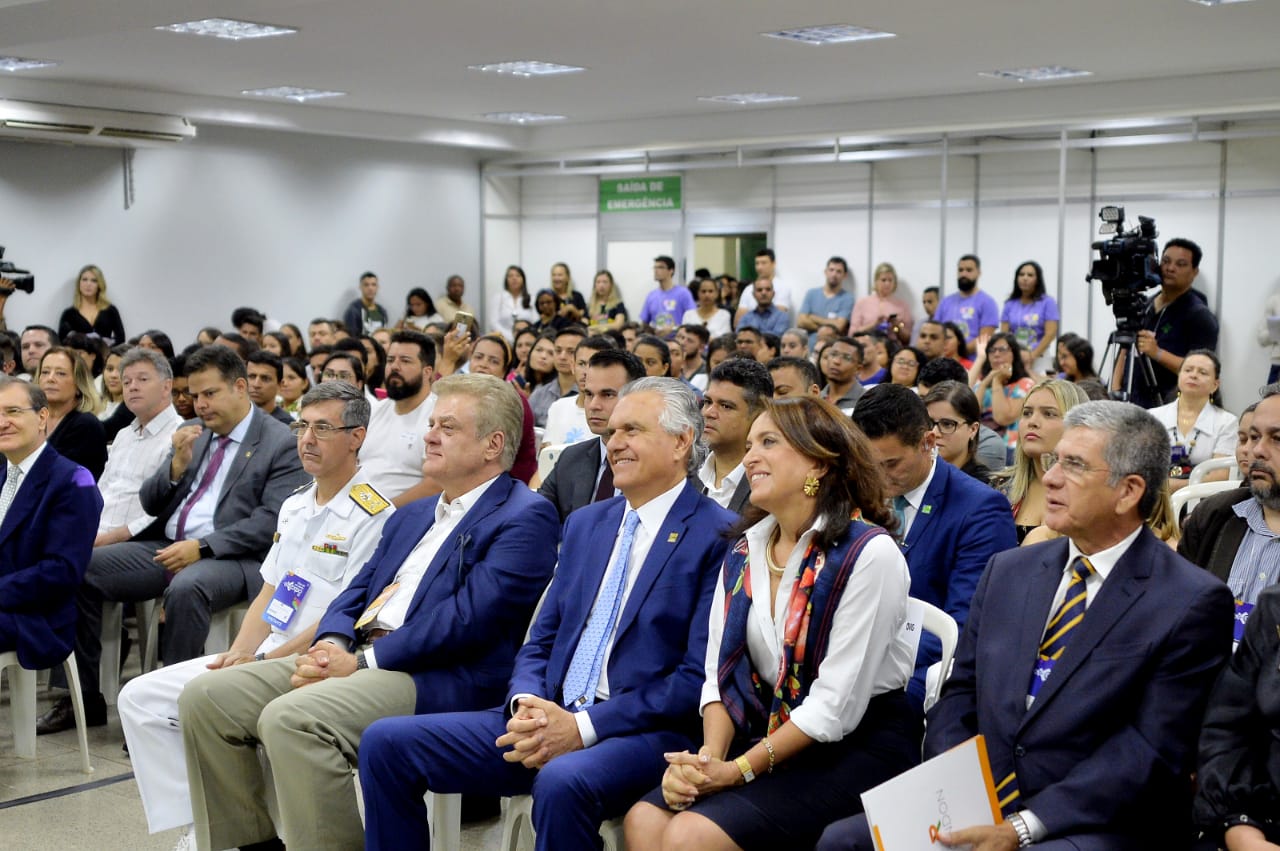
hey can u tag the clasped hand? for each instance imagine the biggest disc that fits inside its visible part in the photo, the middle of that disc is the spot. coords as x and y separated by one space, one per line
692 776
539 732
325 660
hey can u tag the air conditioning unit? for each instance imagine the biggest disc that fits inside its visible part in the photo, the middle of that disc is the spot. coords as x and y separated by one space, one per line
79 125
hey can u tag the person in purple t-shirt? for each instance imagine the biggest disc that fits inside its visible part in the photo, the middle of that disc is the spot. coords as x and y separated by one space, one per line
1029 314
973 310
665 306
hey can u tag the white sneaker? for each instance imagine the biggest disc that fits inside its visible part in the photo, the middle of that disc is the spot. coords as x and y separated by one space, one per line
186 840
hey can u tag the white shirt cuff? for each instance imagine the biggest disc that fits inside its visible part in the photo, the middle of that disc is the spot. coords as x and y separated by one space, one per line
514 707
586 729
370 660
1034 825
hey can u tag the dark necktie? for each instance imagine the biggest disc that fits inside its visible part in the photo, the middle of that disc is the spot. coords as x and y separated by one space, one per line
206 481
604 490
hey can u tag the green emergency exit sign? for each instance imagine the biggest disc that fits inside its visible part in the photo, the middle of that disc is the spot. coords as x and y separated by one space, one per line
627 194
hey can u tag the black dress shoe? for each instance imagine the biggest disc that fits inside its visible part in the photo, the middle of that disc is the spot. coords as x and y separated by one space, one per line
272 844
63 717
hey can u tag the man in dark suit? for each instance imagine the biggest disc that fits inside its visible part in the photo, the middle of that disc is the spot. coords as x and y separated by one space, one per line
432 623
735 396
581 476
49 510
610 677
216 503
949 524
1087 661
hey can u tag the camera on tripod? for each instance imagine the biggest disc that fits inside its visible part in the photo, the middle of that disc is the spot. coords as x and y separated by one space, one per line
1128 264
22 279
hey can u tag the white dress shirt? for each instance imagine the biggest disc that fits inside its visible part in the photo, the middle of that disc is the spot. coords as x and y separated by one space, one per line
25 466
915 498
136 453
866 653
200 518
723 494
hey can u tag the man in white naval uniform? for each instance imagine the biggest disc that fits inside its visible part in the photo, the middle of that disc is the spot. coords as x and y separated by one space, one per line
326 532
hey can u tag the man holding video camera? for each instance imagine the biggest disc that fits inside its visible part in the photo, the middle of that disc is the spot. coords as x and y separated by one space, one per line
1175 322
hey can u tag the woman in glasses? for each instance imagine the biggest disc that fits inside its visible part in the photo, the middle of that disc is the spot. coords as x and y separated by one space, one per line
955 414
1000 380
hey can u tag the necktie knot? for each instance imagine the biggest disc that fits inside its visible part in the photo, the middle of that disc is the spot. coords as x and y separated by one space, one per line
1082 569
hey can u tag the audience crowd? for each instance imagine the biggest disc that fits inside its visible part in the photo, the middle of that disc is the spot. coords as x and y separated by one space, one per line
658 567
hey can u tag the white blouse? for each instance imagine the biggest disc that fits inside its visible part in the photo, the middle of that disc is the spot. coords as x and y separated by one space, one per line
865 654
1214 433
505 309
718 325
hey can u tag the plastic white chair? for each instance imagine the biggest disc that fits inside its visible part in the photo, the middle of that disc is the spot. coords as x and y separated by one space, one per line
148 612
547 458
1205 467
938 623
224 626
517 828
22 707
1189 496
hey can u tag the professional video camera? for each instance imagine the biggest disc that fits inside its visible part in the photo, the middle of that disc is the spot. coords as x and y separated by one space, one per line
22 279
1128 264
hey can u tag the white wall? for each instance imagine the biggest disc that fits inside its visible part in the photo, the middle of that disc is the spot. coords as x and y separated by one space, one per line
891 211
282 222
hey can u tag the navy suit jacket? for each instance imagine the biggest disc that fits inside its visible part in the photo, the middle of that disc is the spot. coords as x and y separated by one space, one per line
264 471
961 524
659 649
1110 742
473 606
45 543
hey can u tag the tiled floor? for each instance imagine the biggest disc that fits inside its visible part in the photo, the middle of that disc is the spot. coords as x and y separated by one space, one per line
106 818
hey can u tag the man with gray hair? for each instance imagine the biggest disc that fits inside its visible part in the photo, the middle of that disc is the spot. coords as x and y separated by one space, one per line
611 675
1086 661
140 448
430 624
327 530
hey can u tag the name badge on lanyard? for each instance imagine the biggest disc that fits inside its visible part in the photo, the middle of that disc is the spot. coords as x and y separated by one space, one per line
286 601
1242 617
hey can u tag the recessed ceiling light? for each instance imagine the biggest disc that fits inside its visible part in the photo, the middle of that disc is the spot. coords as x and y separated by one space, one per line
830 34
1219 2
749 98
523 117
228 28
293 93
527 68
1036 75
17 63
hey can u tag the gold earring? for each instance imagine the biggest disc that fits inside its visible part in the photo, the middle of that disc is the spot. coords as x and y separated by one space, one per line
811 485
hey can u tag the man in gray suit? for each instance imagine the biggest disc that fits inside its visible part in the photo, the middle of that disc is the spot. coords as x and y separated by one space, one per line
215 502
581 475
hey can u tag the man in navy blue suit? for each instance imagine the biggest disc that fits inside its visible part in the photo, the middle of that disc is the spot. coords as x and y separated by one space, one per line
1087 660
950 524
432 623
610 676
49 509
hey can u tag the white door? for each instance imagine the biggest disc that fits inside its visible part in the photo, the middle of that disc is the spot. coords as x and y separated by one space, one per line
631 262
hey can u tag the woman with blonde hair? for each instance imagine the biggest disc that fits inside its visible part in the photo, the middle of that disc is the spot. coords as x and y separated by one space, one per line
605 310
90 311
882 309
73 429
1040 429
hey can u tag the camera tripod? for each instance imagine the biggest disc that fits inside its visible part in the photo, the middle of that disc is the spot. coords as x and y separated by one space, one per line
1126 342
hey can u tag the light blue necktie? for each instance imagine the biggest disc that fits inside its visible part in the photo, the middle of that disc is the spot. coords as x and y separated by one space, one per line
584 670
900 505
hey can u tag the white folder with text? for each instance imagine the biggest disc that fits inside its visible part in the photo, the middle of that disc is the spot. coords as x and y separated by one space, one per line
952 791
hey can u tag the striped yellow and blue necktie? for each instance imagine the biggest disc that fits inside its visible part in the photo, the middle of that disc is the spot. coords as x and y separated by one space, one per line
1064 620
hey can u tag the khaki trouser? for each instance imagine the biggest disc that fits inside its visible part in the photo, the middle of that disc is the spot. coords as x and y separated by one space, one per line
311 737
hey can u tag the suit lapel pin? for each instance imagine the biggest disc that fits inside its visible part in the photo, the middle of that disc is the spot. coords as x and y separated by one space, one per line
248 453
926 509
673 537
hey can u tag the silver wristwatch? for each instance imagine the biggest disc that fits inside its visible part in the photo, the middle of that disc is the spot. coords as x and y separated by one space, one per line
1020 828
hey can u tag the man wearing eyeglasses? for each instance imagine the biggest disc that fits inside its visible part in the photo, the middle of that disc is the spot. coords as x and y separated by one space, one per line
1087 661
325 534
432 623
215 503
49 510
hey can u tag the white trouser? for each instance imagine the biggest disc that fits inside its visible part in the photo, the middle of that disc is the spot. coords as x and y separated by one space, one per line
148 707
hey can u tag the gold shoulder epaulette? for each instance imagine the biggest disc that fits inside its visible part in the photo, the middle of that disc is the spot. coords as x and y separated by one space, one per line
369 499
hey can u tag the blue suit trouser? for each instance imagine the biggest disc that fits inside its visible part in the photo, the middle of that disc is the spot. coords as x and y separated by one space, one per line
401 759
